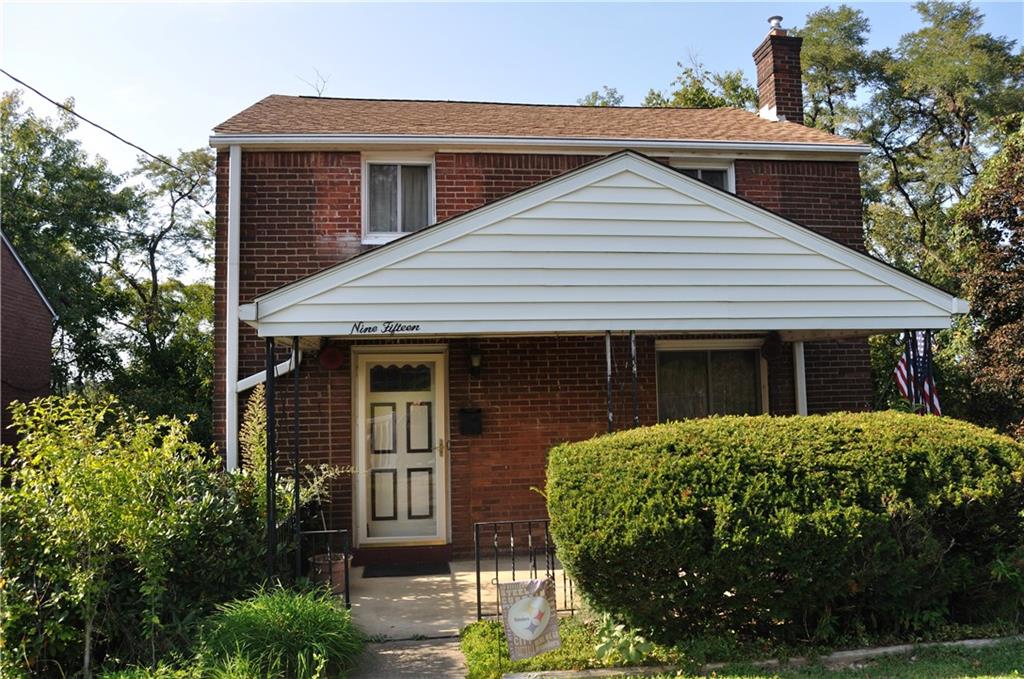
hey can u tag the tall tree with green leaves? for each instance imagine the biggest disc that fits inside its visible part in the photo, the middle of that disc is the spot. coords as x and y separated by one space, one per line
155 269
834 62
61 209
990 227
606 96
932 119
124 259
698 87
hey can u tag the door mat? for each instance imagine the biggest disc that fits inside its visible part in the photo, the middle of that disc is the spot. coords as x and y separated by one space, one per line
405 570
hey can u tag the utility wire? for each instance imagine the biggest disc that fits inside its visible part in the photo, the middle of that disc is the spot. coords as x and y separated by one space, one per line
113 134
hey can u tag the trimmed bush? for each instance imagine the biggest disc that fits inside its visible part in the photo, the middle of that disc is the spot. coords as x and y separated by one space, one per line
281 632
797 529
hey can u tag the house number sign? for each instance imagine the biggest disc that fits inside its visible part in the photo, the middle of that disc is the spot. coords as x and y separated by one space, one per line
385 328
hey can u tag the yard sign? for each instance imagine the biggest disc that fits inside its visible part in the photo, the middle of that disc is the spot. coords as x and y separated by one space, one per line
530 618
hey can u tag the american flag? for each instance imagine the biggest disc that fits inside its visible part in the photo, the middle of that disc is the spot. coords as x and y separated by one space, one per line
913 373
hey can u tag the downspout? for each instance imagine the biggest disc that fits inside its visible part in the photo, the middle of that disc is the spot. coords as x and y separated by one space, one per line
282 368
231 315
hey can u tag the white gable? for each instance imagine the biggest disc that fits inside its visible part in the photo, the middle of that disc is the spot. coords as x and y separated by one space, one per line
623 244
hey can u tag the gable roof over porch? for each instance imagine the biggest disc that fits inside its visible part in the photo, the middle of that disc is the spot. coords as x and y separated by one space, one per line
624 243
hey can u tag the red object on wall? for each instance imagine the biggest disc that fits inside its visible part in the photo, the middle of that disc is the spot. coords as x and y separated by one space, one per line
331 357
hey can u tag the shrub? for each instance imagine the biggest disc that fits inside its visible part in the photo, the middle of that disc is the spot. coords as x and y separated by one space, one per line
285 633
792 528
120 534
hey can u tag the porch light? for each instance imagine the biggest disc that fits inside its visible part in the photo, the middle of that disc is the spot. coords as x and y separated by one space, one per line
475 359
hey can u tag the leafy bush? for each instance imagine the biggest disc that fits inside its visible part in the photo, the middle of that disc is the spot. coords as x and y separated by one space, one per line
120 534
796 529
285 633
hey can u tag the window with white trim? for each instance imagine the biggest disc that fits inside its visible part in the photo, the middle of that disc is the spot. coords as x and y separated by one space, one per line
398 197
717 177
698 383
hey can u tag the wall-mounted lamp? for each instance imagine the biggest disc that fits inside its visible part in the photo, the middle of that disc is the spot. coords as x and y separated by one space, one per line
475 359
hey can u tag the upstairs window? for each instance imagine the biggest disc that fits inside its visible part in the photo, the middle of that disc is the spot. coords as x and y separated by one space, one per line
719 178
399 198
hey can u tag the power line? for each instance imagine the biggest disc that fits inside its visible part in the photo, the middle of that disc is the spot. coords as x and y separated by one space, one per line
113 134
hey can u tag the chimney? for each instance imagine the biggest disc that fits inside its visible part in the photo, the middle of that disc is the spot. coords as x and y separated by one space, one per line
779 87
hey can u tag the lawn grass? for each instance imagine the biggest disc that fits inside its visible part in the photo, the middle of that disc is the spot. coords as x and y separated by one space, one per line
1002 661
483 645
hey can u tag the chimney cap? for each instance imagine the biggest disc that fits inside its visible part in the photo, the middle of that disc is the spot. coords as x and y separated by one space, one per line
776 25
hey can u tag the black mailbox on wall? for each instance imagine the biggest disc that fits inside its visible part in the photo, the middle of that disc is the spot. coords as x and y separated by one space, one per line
470 421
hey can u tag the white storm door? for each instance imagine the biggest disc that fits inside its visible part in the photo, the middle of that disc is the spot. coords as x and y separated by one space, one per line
401 436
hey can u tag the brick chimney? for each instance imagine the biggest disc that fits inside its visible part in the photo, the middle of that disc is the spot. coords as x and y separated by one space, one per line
779 86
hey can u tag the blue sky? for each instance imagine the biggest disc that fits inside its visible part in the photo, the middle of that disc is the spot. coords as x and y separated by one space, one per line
163 74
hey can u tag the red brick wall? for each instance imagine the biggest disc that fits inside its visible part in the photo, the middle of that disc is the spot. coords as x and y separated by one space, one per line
534 392
300 213
469 180
821 195
26 331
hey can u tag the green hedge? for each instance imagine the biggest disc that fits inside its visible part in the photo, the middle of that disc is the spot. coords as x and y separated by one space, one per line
793 528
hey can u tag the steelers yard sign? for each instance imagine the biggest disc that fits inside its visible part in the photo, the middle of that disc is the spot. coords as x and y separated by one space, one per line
530 618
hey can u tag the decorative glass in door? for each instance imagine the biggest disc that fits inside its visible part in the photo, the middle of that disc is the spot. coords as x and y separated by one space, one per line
402 448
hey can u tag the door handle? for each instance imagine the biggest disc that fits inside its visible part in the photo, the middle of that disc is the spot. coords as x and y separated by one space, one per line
442 447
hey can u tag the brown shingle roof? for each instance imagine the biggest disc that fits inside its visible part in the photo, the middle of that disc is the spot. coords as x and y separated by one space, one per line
278 114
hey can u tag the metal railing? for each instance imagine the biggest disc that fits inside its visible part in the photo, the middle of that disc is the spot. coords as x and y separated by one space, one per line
327 554
519 549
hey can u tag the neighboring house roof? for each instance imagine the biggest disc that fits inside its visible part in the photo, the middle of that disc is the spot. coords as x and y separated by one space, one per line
623 243
28 274
285 115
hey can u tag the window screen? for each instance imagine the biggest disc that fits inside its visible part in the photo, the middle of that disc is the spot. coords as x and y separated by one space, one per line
701 383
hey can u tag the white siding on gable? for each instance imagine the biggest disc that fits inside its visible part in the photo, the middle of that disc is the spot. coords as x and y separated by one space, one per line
619 252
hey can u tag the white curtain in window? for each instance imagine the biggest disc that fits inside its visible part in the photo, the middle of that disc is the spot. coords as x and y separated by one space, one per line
383 198
415 197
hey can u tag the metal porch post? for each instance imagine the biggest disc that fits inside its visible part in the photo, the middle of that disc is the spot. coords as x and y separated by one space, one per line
608 365
632 365
295 460
271 463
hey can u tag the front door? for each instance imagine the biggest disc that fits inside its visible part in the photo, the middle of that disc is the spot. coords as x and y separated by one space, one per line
401 440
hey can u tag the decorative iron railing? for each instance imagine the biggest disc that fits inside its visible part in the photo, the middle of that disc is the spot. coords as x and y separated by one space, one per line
328 558
517 550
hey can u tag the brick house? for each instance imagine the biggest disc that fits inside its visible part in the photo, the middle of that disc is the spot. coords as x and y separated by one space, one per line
26 332
446 289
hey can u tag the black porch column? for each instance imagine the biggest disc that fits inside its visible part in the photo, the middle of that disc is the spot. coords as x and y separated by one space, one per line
295 460
608 376
632 365
271 464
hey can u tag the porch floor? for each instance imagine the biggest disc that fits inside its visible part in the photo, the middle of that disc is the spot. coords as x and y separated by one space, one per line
429 605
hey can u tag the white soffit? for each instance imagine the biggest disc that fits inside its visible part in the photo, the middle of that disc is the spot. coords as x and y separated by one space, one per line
622 244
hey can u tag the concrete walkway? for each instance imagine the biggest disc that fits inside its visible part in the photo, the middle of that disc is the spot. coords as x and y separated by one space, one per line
431 658
428 605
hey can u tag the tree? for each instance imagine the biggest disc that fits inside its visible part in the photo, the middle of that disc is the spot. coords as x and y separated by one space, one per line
990 223
123 259
834 63
697 87
164 323
931 120
608 96
60 210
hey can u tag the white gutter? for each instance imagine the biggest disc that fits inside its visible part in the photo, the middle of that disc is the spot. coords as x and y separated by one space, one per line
219 140
282 368
231 312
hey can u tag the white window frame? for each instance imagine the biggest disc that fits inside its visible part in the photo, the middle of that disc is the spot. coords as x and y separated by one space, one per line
368 159
708 164
734 344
